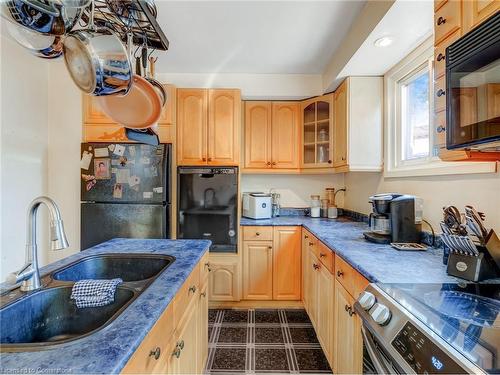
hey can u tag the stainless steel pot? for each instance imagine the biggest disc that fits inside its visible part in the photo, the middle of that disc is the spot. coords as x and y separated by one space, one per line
48 17
45 46
98 62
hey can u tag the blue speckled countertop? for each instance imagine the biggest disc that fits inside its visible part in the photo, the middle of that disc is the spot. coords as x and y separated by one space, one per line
378 263
109 349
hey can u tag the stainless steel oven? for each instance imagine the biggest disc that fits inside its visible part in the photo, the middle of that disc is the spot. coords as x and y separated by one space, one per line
473 89
430 328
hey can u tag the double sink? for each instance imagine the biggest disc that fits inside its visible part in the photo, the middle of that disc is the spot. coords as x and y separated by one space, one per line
48 317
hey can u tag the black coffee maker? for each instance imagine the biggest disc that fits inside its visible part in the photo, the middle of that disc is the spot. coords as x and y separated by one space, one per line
395 218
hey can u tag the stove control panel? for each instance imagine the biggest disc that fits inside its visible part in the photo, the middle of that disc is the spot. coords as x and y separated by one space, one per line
421 354
367 300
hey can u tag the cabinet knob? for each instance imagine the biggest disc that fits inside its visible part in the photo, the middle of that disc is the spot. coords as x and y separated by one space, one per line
339 274
177 352
329 162
441 21
156 352
274 163
440 92
204 294
440 57
311 243
257 233
209 159
192 289
306 236
207 266
351 311
181 344
440 129
315 266
322 255
270 247
204 159
268 163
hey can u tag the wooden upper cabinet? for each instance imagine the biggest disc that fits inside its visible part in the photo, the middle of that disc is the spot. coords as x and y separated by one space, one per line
341 125
477 11
285 135
224 118
257 134
447 20
208 126
287 263
192 105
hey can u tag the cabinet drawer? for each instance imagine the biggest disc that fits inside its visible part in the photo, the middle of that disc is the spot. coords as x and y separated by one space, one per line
447 20
186 294
153 354
311 242
440 54
345 274
204 269
257 233
325 255
440 94
440 128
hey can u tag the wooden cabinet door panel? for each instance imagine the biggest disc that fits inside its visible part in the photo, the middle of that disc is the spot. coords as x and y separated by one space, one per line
286 263
192 126
285 135
258 134
325 312
224 118
258 270
447 20
168 113
312 286
477 11
202 328
187 363
340 137
223 281
348 345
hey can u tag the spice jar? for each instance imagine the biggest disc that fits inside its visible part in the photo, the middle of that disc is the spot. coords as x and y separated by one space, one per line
315 206
324 208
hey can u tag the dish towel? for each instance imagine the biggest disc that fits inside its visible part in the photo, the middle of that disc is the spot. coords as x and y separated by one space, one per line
94 293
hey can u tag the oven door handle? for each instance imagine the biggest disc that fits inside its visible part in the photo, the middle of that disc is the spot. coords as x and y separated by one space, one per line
378 362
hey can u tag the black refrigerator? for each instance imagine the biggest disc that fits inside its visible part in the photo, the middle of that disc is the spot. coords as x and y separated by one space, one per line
125 191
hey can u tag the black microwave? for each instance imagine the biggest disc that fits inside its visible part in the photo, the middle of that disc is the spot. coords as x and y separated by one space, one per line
473 89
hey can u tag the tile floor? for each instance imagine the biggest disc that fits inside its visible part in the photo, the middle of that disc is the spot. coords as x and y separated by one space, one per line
263 341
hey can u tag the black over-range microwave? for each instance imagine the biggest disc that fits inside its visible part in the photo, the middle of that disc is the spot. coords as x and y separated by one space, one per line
473 89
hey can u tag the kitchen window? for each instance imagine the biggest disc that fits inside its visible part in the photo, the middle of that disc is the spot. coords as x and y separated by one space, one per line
408 120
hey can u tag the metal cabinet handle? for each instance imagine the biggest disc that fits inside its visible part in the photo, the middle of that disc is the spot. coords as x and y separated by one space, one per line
329 162
156 352
268 163
177 352
440 92
311 243
274 163
209 159
306 236
192 289
181 344
204 159
441 20
339 274
257 233
204 294
440 57
315 266
207 265
440 129
322 255
351 311
270 247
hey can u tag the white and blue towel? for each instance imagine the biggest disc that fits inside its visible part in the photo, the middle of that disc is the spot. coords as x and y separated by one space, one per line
94 293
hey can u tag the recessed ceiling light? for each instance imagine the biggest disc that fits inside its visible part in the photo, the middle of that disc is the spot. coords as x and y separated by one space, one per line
385 41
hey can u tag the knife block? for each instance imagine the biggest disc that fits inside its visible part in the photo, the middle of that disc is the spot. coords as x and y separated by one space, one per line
472 268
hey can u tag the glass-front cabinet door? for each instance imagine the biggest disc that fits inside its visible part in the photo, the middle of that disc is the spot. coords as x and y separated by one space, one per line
317 132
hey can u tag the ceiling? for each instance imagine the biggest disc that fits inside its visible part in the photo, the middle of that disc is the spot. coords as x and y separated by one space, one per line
259 37
408 23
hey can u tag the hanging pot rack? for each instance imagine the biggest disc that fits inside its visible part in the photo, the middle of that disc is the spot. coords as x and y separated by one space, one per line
143 27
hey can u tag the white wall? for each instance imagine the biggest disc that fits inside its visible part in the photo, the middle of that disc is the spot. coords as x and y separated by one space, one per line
480 190
23 151
65 136
295 190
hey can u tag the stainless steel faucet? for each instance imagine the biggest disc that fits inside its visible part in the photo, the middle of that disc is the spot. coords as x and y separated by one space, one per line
29 273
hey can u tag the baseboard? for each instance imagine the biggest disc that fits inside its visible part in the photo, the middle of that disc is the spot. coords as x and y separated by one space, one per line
256 304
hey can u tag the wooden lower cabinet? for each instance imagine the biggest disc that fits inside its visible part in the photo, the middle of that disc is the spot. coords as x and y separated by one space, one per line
348 343
224 282
272 263
286 263
258 270
324 314
177 344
